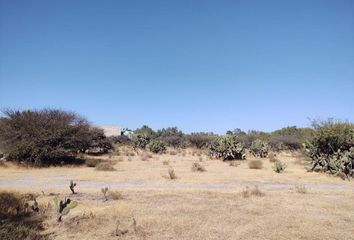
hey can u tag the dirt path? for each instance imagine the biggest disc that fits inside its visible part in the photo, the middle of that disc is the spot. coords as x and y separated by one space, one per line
60 183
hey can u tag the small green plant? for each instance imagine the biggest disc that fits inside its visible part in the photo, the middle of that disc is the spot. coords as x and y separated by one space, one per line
72 186
104 192
156 146
279 167
63 207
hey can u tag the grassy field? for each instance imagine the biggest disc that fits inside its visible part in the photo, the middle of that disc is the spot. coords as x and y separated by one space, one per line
223 202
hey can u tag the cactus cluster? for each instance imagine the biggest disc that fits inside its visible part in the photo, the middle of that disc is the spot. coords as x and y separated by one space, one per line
332 148
140 141
227 147
259 148
157 146
63 207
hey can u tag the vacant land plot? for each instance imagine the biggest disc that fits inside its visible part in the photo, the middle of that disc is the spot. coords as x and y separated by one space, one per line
222 202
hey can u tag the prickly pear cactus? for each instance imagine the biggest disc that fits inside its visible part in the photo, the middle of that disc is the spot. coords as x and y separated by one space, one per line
227 148
62 208
259 148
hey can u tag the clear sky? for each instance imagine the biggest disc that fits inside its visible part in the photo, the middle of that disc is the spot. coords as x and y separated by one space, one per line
199 65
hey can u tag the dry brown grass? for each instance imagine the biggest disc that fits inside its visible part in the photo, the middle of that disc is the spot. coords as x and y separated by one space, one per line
301 189
197 167
92 162
255 164
105 166
115 195
272 157
171 173
188 208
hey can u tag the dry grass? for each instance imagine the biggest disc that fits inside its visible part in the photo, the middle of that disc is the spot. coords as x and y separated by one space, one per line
301 189
92 162
197 167
187 208
255 164
272 157
115 195
255 191
171 173
105 166
234 163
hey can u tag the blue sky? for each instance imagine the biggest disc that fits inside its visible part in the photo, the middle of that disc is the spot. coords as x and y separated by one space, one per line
199 65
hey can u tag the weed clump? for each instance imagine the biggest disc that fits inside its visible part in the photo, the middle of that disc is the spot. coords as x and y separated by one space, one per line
279 167
92 162
255 164
197 167
105 166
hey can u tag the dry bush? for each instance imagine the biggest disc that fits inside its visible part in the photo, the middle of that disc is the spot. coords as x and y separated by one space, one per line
301 189
92 162
200 159
255 164
105 166
120 159
172 174
49 137
247 192
234 163
129 159
271 157
16 222
173 153
197 167
165 162
115 195
3 164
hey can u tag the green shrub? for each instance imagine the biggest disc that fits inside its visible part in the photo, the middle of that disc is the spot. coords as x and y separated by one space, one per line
259 148
156 146
201 140
332 147
140 141
47 137
279 167
172 137
227 147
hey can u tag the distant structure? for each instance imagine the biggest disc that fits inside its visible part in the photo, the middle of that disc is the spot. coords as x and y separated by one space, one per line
115 130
